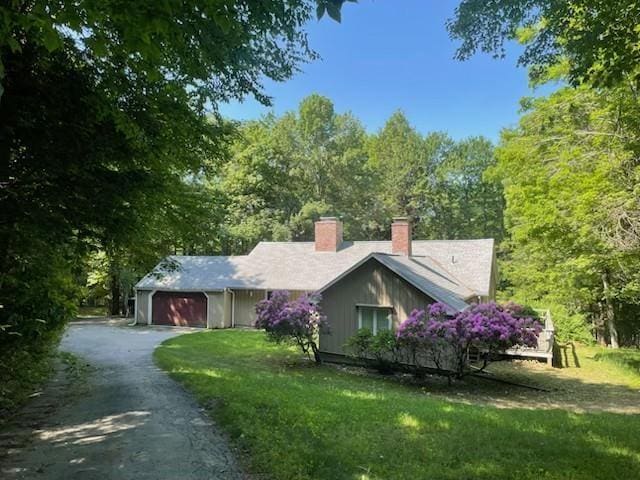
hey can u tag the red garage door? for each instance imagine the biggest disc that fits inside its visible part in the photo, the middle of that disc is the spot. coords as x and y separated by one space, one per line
185 309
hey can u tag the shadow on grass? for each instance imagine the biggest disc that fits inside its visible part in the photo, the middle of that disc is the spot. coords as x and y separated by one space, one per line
297 420
339 429
565 355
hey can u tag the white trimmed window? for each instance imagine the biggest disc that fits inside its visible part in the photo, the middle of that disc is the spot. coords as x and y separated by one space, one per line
374 318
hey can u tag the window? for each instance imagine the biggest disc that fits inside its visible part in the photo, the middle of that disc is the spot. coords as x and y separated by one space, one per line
375 319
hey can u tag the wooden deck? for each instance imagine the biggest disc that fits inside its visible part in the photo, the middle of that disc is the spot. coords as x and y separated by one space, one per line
544 350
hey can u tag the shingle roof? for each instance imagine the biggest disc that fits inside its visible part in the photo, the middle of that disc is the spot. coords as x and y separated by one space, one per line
460 268
426 275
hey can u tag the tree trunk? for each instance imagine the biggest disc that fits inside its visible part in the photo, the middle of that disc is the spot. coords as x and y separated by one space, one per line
115 294
609 314
598 325
316 353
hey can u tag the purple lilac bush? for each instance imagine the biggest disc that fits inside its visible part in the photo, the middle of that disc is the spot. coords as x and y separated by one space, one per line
297 320
489 327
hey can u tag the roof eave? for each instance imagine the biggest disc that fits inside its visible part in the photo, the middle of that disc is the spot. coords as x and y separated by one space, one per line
374 255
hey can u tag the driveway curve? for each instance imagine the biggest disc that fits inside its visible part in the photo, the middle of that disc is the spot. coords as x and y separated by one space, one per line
128 420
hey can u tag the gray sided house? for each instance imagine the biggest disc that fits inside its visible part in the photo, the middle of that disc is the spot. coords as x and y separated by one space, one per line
373 284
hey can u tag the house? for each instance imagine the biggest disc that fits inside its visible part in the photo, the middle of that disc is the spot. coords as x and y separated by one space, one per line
370 283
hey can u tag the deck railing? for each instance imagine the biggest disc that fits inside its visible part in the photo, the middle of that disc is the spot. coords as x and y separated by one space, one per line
545 341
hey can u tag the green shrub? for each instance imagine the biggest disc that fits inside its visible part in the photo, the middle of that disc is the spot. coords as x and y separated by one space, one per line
570 326
359 345
38 297
23 369
379 351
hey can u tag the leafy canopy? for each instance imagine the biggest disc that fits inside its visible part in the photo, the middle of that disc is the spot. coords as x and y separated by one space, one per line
599 38
215 50
284 172
572 212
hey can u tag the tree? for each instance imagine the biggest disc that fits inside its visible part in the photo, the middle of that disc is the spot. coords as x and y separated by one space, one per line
285 172
213 50
146 84
570 243
105 135
184 216
400 159
437 181
596 39
330 157
468 204
581 249
257 184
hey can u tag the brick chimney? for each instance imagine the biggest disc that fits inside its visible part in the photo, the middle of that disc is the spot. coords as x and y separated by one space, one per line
401 236
328 234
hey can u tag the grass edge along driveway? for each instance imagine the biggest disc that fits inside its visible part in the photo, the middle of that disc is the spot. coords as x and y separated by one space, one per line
296 420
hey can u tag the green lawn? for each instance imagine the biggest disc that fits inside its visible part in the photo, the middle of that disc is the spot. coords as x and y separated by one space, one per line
624 357
299 421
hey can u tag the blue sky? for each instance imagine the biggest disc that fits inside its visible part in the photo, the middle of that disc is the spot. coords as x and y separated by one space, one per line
396 54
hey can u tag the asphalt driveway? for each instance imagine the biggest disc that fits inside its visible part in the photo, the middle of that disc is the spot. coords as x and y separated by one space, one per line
128 420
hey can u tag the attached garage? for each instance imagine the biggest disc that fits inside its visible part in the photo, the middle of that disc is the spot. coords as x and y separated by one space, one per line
203 309
187 309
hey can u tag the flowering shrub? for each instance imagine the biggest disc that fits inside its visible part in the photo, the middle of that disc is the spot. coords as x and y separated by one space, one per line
489 327
424 336
298 320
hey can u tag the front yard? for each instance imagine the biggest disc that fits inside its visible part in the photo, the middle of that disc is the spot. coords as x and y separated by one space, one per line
295 420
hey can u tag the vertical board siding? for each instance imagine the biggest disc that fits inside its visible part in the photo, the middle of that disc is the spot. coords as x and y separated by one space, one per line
228 299
215 310
295 294
142 306
371 284
245 306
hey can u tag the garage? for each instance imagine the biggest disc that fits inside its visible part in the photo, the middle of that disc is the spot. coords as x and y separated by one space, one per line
187 309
